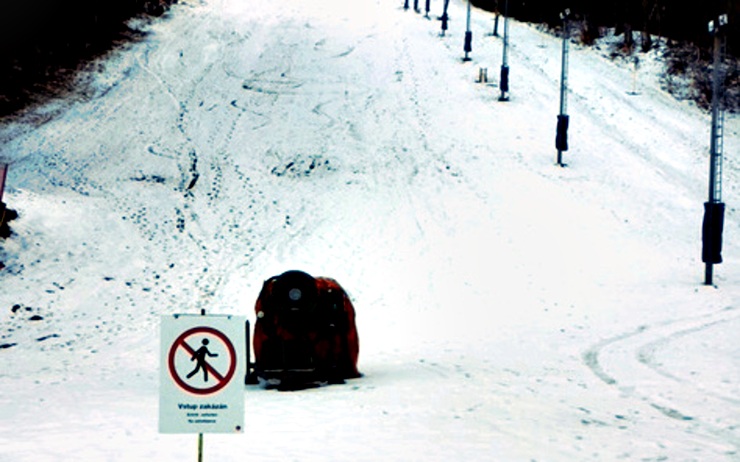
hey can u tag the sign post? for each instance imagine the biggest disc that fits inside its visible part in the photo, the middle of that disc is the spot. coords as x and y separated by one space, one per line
202 371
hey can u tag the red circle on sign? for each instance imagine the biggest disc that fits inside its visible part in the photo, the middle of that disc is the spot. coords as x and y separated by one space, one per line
222 380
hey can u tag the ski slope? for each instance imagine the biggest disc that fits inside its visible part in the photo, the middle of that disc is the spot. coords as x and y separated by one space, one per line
508 309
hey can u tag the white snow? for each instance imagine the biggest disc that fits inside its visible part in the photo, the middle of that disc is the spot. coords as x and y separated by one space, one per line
508 309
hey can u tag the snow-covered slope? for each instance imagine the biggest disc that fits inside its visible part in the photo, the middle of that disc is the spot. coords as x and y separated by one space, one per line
508 309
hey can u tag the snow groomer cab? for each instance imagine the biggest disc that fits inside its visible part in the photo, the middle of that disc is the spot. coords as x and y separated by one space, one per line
305 333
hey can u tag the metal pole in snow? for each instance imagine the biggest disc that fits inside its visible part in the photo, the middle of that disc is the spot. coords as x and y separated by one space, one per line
444 17
3 173
715 164
3 176
504 82
561 137
468 47
714 208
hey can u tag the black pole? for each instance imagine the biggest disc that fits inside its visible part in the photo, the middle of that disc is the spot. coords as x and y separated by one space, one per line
3 177
444 17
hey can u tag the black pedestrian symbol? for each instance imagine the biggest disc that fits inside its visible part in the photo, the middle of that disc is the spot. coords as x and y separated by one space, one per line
227 361
199 356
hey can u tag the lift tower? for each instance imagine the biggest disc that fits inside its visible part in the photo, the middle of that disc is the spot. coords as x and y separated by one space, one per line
714 208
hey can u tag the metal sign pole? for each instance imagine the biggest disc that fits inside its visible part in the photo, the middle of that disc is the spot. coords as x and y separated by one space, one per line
200 435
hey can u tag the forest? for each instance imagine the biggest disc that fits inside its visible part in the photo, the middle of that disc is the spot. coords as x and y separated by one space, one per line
44 42
676 21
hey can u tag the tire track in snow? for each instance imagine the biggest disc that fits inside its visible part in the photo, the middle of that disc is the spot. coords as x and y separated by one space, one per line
647 355
627 362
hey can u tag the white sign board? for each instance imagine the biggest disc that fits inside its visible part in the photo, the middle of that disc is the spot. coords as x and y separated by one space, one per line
202 369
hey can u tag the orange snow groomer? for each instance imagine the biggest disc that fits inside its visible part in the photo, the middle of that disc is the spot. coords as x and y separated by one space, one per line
305 331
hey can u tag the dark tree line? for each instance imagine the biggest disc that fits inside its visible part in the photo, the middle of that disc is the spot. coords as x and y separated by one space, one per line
75 23
680 21
42 42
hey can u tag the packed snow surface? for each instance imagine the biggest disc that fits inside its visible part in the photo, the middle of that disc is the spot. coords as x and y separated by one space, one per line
508 309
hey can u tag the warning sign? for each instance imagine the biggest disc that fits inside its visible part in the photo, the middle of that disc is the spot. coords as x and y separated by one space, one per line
201 338
203 364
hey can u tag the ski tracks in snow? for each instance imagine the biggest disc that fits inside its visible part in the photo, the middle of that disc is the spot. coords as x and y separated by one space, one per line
629 362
